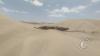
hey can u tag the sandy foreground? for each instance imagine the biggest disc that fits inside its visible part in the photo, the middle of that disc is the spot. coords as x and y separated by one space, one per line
21 39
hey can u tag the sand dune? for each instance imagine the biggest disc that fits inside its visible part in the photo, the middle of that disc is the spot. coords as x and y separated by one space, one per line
82 25
20 39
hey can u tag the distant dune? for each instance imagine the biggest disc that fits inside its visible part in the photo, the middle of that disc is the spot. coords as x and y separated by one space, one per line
81 25
21 39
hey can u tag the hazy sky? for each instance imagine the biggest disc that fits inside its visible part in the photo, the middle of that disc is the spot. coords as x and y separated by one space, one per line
51 10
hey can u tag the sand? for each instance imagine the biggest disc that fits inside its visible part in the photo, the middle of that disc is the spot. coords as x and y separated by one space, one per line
21 39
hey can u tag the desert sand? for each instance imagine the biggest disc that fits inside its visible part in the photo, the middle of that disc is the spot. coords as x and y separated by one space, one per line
21 39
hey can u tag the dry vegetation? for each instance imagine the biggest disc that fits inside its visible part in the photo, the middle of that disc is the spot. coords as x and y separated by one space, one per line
52 27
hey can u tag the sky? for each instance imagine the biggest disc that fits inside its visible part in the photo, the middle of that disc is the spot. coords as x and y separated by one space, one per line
50 10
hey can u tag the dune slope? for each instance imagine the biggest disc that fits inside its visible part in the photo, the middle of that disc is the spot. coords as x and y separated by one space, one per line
19 39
